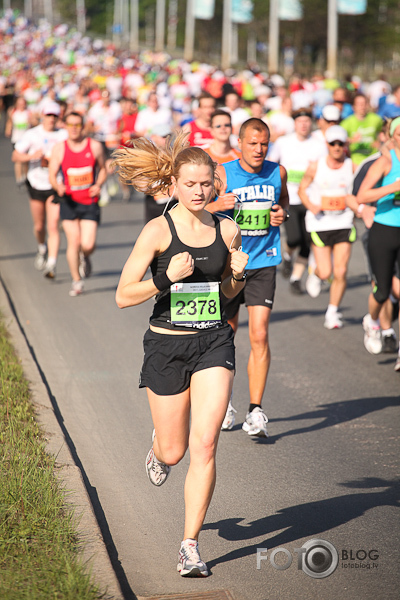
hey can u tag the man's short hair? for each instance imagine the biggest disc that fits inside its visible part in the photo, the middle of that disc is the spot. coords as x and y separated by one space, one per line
74 113
206 96
302 112
221 113
253 123
359 95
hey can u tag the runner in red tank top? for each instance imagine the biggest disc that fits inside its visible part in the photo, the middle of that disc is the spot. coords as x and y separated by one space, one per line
79 170
199 129
82 163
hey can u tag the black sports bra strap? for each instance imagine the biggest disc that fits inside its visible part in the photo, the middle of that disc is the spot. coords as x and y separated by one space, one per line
217 226
171 224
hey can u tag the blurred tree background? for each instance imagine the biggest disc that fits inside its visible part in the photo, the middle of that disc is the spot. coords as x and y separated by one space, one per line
368 44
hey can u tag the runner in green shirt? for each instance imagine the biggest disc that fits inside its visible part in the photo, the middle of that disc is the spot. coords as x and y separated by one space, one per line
362 128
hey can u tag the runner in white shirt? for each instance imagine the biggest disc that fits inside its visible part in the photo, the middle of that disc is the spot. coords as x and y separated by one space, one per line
324 191
151 116
295 152
35 148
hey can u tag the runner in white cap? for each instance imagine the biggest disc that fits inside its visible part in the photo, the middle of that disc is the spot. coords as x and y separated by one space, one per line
35 148
329 221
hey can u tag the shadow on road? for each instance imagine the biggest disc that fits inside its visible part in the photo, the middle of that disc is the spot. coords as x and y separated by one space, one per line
305 520
335 413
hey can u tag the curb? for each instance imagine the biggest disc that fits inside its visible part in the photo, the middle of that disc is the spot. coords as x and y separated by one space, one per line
94 552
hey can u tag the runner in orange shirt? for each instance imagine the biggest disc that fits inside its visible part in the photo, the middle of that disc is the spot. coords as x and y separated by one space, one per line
220 149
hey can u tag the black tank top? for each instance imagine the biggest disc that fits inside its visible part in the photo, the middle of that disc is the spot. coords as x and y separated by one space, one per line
210 263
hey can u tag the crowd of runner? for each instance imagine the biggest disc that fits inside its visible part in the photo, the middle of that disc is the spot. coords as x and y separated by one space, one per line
88 121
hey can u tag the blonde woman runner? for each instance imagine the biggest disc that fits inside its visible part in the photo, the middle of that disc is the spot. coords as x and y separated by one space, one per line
189 361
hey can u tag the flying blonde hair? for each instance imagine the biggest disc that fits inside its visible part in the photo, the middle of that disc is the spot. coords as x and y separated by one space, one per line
149 168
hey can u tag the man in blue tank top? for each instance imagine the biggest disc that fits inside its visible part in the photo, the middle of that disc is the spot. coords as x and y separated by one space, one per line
254 192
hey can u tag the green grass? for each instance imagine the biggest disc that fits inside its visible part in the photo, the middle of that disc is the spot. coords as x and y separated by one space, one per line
40 556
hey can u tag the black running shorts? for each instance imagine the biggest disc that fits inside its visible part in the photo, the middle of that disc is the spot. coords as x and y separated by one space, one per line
259 290
71 210
332 237
41 195
170 360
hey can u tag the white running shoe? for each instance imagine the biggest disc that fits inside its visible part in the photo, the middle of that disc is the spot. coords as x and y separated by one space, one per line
397 365
229 419
189 561
156 470
40 261
313 285
256 423
76 288
372 336
333 321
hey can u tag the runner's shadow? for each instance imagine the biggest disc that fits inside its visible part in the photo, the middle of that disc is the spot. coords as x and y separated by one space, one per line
335 413
305 520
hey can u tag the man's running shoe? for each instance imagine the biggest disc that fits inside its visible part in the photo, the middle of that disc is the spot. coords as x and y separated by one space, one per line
389 344
189 561
313 285
229 419
156 470
76 289
49 271
256 423
286 268
40 261
372 336
397 365
333 321
85 266
295 287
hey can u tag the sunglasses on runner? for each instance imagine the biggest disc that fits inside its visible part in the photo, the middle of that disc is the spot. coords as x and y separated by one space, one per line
223 125
51 115
336 143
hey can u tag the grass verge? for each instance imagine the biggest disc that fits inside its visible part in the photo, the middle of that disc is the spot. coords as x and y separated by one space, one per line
39 547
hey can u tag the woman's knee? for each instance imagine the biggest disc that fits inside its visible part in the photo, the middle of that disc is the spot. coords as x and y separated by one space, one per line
172 454
203 447
88 248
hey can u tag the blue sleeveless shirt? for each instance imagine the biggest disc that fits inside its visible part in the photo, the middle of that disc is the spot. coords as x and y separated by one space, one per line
263 250
388 207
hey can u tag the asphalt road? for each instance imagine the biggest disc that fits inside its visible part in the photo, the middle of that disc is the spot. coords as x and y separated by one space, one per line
328 471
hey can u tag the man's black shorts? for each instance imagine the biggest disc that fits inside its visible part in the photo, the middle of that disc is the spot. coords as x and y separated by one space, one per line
71 210
259 290
171 360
